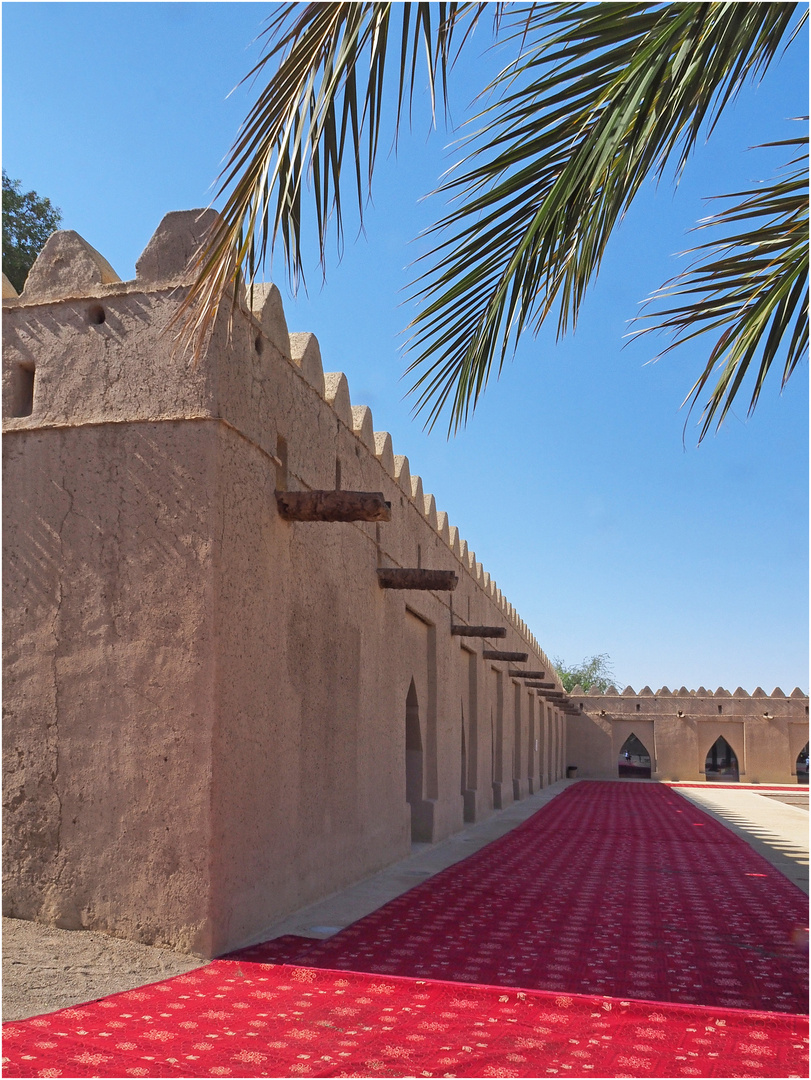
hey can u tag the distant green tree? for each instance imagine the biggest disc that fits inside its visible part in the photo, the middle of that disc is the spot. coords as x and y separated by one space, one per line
28 221
592 673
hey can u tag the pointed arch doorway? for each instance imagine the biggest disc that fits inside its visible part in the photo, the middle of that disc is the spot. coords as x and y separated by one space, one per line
634 760
721 763
802 765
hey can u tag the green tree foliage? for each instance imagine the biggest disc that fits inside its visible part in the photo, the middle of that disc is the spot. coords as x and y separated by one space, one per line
28 221
592 673
596 99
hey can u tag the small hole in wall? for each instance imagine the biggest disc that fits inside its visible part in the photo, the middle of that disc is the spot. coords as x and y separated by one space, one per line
720 708
258 345
96 315
637 707
24 391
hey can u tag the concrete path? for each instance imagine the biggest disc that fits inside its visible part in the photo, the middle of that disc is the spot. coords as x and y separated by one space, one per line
46 969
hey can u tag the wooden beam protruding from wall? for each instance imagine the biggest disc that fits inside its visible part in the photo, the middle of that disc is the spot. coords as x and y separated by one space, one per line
333 506
479 631
415 578
512 657
518 674
543 686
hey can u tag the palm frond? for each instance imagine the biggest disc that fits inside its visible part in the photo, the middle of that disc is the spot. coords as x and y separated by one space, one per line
320 112
602 97
749 287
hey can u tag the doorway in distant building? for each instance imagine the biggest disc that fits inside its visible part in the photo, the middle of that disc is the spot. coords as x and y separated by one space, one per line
634 759
802 765
721 763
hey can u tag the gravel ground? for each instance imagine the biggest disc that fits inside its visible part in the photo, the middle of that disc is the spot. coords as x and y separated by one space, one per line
46 969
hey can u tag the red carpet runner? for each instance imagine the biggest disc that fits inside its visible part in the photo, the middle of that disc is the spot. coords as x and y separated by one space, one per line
626 892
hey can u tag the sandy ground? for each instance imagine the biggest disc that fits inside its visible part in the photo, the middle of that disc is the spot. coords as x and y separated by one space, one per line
46 969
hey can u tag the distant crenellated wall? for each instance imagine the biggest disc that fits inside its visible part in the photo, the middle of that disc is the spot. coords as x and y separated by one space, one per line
215 715
766 732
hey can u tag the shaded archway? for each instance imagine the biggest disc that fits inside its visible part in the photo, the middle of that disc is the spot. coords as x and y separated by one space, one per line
721 762
802 765
414 757
634 759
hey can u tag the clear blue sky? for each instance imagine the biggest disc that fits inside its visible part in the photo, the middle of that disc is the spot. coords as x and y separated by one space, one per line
687 565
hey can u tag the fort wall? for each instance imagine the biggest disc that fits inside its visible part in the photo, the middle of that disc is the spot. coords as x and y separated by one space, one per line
215 715
766 732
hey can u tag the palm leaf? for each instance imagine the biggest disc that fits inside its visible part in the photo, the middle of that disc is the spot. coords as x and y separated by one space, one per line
322 105
602 97
748 287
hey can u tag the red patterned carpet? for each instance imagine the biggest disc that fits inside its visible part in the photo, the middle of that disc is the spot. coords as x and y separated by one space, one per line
238 1019
627 890
623 932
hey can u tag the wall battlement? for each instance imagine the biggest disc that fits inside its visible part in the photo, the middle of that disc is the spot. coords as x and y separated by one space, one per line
73 292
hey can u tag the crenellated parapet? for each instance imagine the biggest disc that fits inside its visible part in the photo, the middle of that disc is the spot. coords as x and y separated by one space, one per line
124 367
686 702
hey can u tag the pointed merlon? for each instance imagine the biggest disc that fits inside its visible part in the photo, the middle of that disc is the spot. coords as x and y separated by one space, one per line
721 692
67 267
268 310
645 692
479 631
363 426
305 353
9 292
797 693
413 578
516 673
629 692
758 692
402 473
429 510
510 657
740 692
170 256
777 692
384 452
336 394
611 691
416 491
682 692
577 691
664 692
701 692
333 506
442 526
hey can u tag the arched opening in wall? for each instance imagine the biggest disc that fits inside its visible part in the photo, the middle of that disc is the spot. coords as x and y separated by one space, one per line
414 758
721 762
802 765
634 759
